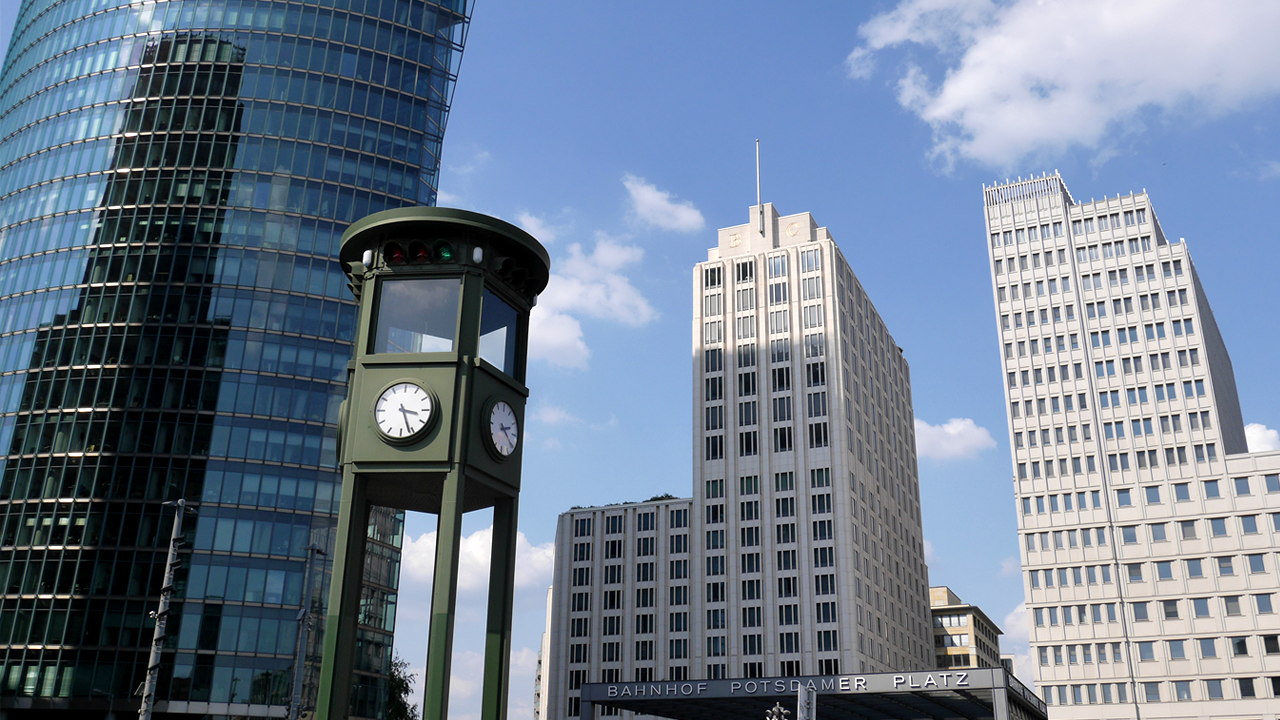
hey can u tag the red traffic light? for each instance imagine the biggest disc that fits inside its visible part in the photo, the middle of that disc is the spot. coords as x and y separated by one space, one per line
394 254
418 253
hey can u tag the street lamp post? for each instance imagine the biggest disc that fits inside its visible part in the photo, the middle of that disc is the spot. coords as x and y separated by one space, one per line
161 614
305 622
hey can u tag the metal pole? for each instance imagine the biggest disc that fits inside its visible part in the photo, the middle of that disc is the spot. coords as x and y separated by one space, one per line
502 573
333 701
305 622
759 206
161 615
444 594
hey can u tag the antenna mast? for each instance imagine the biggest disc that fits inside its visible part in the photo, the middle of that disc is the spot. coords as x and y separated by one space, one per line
759 205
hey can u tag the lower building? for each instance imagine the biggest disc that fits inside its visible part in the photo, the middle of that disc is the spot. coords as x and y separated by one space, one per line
620 602
540 674
963 635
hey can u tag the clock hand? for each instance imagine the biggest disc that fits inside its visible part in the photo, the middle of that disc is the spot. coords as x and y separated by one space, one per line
406 414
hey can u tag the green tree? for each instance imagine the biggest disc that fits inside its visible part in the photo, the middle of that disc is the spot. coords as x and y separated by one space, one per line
401 686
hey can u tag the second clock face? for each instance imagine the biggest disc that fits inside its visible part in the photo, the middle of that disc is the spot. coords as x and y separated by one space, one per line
504 430
403 411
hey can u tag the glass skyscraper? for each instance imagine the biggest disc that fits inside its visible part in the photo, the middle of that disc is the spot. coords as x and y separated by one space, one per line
174 180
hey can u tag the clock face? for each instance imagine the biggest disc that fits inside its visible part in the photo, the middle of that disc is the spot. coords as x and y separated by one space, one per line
504 429
403 411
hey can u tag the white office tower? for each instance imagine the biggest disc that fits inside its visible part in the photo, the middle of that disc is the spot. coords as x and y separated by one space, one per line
1147 530
801 551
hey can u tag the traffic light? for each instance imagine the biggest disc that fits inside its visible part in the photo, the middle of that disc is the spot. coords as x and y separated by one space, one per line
394 254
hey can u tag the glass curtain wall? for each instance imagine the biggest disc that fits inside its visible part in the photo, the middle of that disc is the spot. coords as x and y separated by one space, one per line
174 180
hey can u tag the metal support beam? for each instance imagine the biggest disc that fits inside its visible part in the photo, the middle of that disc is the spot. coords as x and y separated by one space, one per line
337 671
502 580
444 594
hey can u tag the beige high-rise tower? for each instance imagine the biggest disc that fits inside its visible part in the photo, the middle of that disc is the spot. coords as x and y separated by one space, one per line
800 552
1147 530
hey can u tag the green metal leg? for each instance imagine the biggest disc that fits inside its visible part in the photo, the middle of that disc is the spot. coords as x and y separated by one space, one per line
502 580
334 701
444 593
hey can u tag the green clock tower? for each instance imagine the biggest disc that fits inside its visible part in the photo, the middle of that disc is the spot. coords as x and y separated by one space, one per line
434 419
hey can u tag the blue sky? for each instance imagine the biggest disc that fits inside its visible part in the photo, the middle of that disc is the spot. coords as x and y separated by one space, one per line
622 135
561 106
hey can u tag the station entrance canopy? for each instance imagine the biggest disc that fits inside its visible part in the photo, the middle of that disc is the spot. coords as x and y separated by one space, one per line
978 694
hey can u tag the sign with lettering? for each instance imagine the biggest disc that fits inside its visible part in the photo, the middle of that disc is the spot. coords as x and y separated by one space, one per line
790 686
990 679
879 682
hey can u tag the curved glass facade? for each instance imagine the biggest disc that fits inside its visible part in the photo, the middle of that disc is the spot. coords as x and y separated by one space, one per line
174 180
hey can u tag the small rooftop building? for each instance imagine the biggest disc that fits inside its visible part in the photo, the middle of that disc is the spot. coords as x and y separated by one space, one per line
963 635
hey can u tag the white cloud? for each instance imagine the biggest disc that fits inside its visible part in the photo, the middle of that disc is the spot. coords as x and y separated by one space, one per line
554 415
557 338
1270 169
1031 78
586 286
473 164
1016 641
448 199
1010 566
533 562
957 438
1261 438
467 679
656 207
539 228
929 555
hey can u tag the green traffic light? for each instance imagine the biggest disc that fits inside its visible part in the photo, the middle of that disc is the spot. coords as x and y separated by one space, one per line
444 252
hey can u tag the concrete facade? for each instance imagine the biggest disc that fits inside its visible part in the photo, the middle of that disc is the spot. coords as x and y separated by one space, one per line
800 552
1148 533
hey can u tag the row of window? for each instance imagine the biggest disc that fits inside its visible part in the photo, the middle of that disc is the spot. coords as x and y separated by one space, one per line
1168 424
1153 495
157 228
146 264
1207 452
716 646
211 162
246 192
1029 233
1099 310
234 349
1106 399
778 293
414 45
214 115
1209 647
322 86
1179 690
744 271
1195 568
1102 369
645 521
1089 281
749 442
1200 607
749 411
